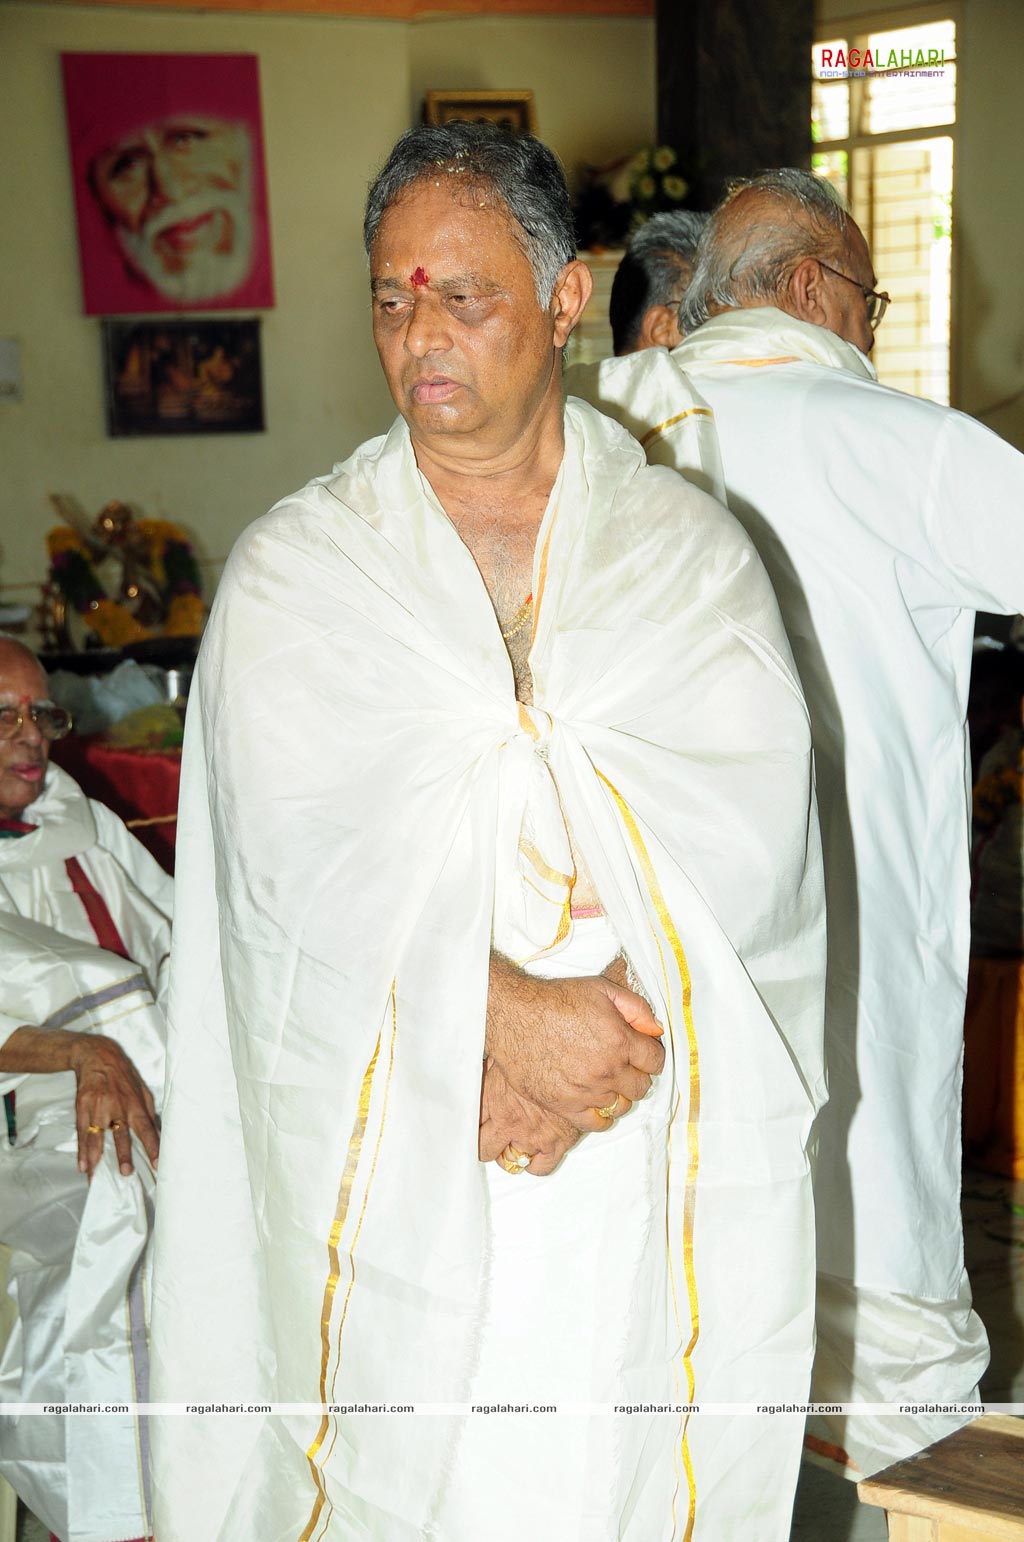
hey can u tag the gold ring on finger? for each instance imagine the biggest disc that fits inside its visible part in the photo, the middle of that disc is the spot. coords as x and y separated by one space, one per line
95 1129
514 1161
117 1124
611 1112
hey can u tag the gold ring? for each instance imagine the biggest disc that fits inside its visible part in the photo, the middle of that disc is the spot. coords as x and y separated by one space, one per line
514 1161
95 1129
610 1111
117 1124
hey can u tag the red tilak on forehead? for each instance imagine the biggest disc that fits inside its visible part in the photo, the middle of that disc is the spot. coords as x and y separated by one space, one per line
420 279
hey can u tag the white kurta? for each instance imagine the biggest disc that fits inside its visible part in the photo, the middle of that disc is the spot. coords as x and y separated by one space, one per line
79 1250
364 805
884 522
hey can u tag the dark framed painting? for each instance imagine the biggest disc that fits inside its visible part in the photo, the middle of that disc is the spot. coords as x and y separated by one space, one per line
183 377
509 109
169 182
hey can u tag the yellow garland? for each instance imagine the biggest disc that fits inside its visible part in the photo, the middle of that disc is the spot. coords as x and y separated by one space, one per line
158 535
62 538
184 616
162 530
113 624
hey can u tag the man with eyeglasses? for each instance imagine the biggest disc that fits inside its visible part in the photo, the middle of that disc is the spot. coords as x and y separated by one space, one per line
884 521
84 939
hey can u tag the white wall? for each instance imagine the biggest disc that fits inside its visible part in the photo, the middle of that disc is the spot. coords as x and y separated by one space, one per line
336 94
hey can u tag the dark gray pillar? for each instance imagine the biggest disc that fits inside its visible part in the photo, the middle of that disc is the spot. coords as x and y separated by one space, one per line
734 88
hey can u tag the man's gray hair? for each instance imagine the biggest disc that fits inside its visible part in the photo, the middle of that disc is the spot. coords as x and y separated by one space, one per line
655 271
515 169
740 264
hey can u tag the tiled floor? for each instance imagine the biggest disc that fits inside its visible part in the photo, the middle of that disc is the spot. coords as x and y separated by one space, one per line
827 1508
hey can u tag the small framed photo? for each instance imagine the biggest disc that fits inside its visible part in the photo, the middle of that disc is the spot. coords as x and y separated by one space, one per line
509 109
183 377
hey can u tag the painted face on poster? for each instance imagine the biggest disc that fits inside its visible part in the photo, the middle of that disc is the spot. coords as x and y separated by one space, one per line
170 187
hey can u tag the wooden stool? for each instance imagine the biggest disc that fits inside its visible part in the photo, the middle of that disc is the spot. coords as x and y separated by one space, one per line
966 1488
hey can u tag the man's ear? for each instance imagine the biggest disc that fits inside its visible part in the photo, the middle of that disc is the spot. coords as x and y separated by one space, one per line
573 289
659 327
805 292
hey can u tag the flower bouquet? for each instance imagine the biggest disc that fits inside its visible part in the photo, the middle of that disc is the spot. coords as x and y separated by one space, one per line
617 198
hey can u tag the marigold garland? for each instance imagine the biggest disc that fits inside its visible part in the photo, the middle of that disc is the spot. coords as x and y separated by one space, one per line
167 555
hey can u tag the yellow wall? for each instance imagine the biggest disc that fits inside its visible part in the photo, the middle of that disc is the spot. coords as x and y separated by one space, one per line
988 211
336 93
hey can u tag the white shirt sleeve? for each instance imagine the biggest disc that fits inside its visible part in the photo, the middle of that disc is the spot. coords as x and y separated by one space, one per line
974 510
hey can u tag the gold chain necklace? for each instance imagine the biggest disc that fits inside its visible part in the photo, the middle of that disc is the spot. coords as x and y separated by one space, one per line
519 620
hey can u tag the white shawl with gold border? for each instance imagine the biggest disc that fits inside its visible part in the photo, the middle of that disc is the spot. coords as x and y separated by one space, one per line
362 799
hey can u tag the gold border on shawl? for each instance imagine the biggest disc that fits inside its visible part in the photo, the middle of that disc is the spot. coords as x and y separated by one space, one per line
784 358
533 856
675 943
366 1199
527 724
564 927
565 881
542 578
661 428
334 1262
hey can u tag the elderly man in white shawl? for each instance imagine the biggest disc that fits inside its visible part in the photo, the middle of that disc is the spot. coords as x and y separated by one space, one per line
84 941
885 521
496 1012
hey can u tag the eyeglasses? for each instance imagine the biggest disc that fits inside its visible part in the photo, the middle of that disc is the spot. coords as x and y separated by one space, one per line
877 304
52 722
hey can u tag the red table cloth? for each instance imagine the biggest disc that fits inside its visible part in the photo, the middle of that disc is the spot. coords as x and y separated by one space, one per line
139 785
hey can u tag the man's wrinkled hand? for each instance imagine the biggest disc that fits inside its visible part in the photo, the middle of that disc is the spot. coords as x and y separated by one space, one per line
111 1095
572 1046
507 1118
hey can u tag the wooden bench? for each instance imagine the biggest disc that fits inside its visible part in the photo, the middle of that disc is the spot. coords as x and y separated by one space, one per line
966 1488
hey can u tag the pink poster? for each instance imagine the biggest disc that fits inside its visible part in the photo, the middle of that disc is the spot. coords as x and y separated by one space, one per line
169 180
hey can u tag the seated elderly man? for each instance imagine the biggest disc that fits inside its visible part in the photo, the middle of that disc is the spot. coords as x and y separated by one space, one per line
84 938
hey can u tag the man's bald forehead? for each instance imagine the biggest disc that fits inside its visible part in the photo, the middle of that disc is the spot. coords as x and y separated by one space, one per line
14 654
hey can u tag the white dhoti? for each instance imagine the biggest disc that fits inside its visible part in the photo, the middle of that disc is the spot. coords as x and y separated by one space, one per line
553 1331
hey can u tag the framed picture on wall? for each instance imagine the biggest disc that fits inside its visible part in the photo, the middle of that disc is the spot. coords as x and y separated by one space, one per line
510 109
169 182
183 377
